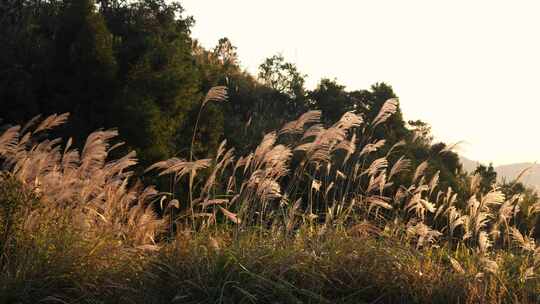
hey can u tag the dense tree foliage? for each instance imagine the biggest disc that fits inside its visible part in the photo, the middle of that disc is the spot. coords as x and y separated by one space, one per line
127 65
488 177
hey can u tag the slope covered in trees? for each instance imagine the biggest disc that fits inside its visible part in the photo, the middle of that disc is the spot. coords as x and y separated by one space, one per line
132 65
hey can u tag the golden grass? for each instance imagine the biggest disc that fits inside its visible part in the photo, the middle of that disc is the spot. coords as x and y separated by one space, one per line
305 183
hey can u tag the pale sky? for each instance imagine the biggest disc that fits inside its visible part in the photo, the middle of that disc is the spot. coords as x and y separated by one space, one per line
469 68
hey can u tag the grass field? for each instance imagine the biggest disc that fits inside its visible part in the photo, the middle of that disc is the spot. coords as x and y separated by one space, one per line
313 215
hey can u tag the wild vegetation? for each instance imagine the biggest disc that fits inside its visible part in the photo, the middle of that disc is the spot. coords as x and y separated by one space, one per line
309 216
259 191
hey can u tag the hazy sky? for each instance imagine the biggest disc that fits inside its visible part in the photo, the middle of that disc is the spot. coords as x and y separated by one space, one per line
469 68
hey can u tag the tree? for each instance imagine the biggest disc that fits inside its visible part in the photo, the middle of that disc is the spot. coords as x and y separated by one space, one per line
159 85
332 99
84 68
282 76
488 177
225 52
26 31
128 64
422 131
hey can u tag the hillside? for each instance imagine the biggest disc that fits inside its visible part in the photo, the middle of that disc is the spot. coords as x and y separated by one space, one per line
530 177
509 172
139 166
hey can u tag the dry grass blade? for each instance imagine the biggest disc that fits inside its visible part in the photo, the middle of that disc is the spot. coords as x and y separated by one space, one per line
523 172
378 201
489 265
484 243
434 182
377 166
218 93
451 147
231 216
297 126
30 123
425 234
9 140
180 167
524 242
388 109
349 120
494 197
455 219
420 171
52 122
456 266
395 146
165 164
401 165
373 147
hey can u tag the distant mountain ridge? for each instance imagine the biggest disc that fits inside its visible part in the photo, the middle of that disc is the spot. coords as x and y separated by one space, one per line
510 171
